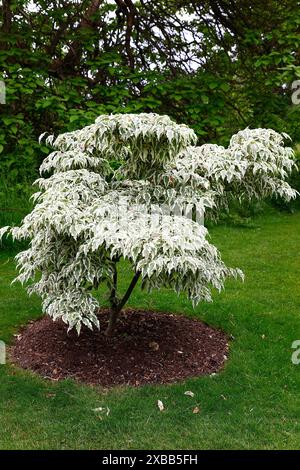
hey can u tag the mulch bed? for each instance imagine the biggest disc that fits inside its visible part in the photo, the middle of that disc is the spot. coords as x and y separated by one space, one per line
147 348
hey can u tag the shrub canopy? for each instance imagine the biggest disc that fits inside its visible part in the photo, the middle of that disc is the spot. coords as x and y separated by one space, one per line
106 199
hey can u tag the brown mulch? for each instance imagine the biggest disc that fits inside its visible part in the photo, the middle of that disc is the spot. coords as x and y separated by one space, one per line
147 348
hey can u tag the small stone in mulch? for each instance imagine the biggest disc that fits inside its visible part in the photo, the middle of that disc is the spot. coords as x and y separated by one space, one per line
147 348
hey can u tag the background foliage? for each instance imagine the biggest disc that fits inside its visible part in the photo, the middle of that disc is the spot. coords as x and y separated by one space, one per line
217 66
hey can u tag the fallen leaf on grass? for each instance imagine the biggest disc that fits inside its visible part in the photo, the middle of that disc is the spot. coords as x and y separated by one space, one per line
160 405
102 410
196 410
188 393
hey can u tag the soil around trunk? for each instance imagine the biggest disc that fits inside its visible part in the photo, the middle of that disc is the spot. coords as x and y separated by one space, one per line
147 348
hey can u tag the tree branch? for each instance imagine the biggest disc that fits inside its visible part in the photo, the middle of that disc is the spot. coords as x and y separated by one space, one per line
62 67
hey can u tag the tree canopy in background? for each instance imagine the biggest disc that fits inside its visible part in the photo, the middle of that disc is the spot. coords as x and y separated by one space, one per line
216 65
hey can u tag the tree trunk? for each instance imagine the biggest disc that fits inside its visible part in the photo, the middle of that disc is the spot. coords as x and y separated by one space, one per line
117 307
112 321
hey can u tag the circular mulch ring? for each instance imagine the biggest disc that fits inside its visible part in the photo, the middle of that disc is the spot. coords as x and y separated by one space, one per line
147 348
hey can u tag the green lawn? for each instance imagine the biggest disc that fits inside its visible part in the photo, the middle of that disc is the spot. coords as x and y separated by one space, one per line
253 403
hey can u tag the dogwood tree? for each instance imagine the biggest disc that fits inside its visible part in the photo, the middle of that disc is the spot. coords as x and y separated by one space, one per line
125 188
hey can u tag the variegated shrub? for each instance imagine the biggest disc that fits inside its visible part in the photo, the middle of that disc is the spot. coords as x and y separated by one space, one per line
104 198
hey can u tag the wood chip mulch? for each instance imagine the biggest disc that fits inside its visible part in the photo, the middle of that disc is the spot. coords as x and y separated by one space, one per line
147 348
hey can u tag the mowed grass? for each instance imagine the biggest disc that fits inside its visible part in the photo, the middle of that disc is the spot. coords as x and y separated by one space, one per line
253 404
